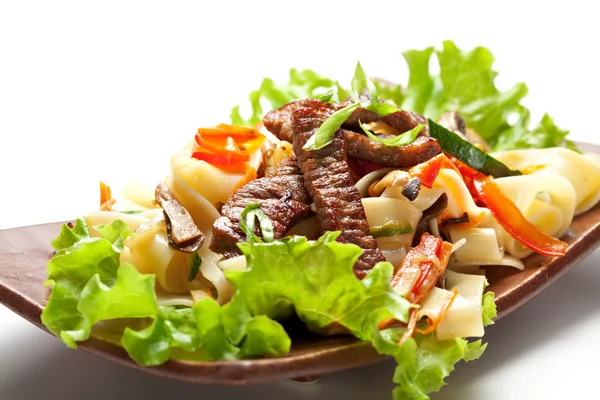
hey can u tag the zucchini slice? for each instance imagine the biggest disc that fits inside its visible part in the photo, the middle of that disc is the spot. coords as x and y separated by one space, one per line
453 144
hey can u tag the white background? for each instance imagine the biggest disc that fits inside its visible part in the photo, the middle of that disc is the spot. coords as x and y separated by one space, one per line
108 90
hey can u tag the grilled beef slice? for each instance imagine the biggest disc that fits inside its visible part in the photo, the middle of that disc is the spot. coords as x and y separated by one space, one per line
282 198
329 183
358 145
361 147
279 122
401 121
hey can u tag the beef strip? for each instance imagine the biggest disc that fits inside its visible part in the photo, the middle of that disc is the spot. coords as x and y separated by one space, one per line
401 121
329 183
282 198
279 122
361 147
358 145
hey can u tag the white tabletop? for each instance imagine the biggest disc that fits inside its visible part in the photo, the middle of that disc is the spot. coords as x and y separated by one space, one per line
108 91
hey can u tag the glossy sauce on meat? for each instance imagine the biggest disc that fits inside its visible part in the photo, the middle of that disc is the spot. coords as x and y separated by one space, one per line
329 183
282 198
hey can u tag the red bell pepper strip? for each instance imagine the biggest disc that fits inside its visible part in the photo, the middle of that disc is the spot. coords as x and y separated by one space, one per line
508 215
425 271
511 219
429 170
225 146
221 161
106 199
428 250
239 133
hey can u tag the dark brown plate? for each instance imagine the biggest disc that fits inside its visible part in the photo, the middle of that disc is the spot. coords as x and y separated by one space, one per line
25 251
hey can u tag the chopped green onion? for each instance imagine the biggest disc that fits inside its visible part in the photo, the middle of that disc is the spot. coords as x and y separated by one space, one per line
382 109
324 135
247 217
195 267
326 97
391 228
361 81
400 140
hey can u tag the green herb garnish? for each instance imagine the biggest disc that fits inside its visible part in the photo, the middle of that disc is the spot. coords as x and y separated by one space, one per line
465 83
360 82
195 267
247 217
391 228
324 135
326 97
400 140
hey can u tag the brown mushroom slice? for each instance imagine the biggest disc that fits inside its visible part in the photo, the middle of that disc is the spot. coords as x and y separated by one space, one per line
183 233
435 210
454 122
412 188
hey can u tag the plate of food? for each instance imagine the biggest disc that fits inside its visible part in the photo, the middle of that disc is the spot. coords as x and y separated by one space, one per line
332 226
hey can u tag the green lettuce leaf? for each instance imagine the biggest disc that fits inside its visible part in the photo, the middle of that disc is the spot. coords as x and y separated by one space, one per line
420 87
465 83
72 268
131 296
388 92
546 134
361 84
188 333
302 84
91 285
488 308
423 362
69 236
316 280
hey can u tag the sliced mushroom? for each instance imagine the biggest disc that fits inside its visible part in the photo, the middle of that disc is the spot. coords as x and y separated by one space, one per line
432 212
183 233
454 122
411 189
396 177
462 219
